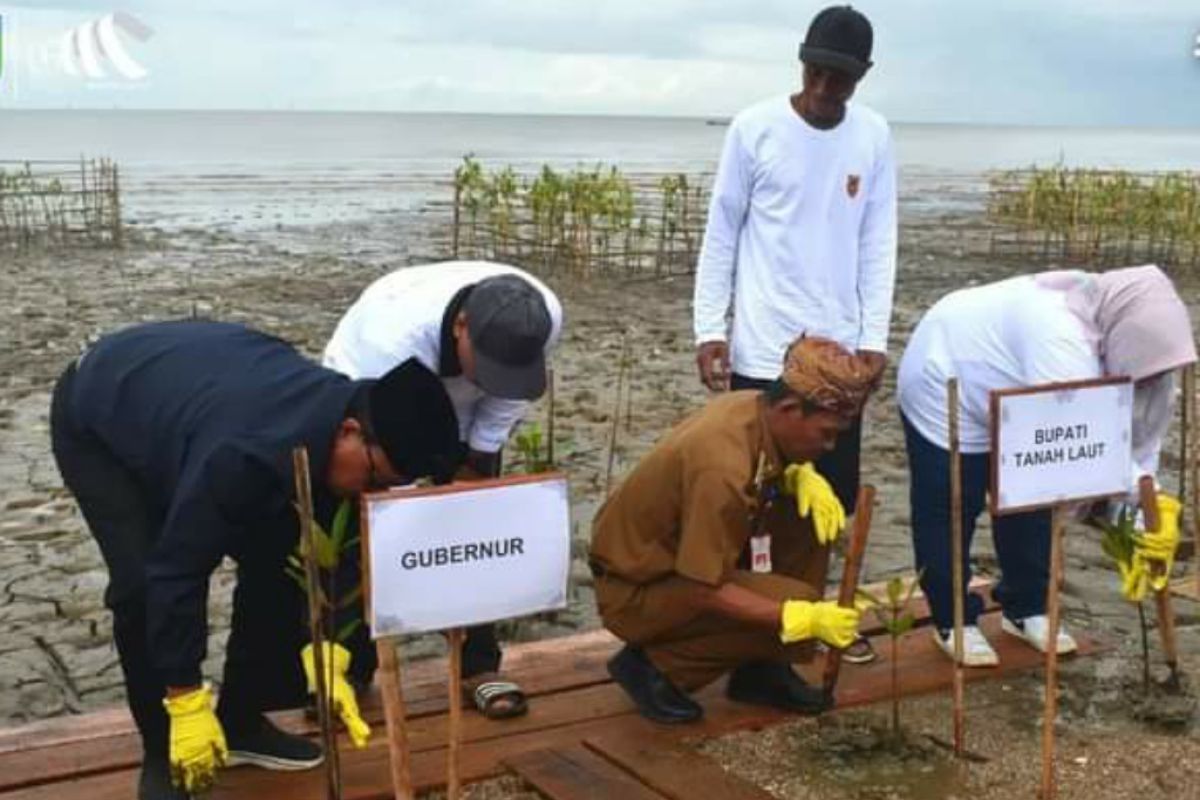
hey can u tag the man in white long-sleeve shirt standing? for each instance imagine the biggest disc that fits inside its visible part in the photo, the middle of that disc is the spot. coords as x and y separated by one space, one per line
485 329
801 235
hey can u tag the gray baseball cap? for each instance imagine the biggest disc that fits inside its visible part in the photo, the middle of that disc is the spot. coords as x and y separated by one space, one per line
509 325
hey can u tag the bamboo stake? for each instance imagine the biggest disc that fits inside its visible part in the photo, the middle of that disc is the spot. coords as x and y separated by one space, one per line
956 565
864 508
1185 425
117 233
616 420
550 423
312 579
457 221
1191 464
629 397
453 783
1049 786
394 714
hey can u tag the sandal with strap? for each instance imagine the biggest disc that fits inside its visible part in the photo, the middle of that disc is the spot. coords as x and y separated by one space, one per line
496 699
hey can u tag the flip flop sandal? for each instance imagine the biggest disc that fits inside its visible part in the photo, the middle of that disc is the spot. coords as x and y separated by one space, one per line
490 696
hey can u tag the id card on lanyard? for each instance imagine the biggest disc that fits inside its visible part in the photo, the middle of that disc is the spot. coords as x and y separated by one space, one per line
760 553
760 537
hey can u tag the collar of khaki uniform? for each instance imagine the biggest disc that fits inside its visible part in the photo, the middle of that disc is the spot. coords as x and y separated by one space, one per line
769 460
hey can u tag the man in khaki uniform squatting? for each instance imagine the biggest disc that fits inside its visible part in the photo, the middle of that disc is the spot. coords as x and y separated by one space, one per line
711 555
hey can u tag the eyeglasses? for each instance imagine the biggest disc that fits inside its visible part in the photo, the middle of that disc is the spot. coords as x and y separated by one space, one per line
373 481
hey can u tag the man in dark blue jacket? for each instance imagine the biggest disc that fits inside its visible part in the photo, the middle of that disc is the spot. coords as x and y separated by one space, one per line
176 440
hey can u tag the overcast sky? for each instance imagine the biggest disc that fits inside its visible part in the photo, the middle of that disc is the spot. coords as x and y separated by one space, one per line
1083 62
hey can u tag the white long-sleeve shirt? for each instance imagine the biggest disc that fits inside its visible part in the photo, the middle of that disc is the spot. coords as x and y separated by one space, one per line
801 235
400 316
1005 335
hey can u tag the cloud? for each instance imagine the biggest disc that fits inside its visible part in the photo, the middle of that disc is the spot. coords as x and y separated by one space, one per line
1021 61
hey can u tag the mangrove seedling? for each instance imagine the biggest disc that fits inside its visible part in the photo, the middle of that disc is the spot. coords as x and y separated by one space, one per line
330 547
533 451
897 620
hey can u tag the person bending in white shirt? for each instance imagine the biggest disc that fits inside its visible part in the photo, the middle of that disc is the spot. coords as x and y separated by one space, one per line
1024 331
486 329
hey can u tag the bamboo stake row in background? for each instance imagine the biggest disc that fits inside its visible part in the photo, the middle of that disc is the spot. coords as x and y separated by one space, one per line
1096 217
579 220
49 203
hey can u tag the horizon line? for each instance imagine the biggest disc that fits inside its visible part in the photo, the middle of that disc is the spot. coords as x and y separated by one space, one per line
710 118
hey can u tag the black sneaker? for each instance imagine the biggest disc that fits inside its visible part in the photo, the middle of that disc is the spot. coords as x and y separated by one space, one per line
263 745
155 781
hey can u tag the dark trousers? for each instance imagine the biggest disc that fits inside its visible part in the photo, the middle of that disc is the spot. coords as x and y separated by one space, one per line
840 466
1022 540
262 665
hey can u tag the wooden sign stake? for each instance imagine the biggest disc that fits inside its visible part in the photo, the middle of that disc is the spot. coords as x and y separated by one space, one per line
303 482
1049 786
395 715
956 566
863 510
391 688
453 784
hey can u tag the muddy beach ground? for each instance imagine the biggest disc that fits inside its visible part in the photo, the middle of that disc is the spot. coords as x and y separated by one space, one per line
56 655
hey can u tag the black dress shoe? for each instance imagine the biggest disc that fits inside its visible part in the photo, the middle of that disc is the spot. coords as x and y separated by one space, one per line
768 683
155 781
654 695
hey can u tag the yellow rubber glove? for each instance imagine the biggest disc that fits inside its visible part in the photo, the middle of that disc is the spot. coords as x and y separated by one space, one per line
341 692
815 498
829 622
197 742
1135 579
1158 547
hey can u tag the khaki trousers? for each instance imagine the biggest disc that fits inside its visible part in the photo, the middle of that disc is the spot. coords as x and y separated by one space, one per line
694 648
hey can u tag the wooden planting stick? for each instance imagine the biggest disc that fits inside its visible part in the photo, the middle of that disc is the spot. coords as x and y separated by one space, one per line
303 481
616 418
864 508
394 714
1148 498
1049 787
453 784
956 564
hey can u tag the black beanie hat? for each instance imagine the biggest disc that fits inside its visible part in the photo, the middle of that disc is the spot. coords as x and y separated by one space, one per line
414 422
840 38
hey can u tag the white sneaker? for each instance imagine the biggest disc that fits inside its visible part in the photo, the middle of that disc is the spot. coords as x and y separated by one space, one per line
976 650
1036 631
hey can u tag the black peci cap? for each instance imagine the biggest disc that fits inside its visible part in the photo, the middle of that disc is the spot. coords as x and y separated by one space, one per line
839 38
509 325
414 422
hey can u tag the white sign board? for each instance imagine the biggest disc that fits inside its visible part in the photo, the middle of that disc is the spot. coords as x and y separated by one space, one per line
448 557
1060 443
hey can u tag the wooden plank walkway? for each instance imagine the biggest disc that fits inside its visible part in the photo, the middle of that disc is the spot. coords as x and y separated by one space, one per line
574 710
